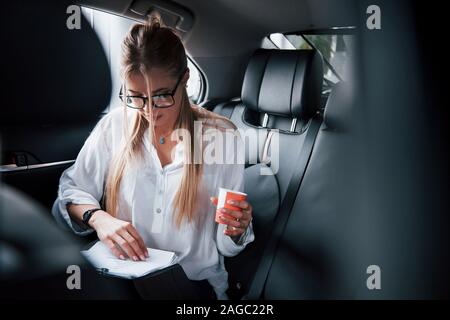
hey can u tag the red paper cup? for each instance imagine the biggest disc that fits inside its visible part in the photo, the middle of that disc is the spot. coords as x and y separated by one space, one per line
224 196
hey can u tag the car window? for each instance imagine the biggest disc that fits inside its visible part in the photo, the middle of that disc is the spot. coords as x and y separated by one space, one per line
195 83
111 29
337 51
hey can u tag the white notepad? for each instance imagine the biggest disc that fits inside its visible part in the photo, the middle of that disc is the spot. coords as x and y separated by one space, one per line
101 258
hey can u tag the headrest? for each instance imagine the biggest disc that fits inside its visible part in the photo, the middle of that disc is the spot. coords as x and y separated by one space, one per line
338 112
52 75
284 82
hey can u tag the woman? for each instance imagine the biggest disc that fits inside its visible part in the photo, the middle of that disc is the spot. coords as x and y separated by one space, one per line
142 163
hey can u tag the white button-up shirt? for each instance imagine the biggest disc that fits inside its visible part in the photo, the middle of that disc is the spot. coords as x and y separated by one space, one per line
146 197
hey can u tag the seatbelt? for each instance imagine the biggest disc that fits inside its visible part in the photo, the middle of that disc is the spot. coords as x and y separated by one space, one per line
259 281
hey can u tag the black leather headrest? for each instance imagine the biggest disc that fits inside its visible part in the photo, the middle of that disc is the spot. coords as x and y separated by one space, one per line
53 75
284 82
338 110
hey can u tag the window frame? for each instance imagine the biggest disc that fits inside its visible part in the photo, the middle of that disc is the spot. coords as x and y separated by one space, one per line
349 30
203 82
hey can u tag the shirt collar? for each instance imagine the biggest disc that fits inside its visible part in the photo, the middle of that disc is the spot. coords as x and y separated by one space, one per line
178 160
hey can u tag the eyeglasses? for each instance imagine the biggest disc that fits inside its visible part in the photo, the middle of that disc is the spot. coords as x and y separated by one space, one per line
165 100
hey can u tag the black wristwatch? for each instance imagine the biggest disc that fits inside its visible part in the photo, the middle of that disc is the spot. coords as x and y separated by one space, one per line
88 214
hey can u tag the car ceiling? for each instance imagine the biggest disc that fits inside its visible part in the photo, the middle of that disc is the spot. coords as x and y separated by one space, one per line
226 32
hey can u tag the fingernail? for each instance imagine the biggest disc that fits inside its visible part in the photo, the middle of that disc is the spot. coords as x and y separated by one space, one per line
135 258
142 257
223 210
146 254
121 257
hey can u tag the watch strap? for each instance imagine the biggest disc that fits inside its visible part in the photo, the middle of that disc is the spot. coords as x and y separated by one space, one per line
88 214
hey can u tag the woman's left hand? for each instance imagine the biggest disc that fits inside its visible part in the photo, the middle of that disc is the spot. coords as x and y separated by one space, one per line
237 221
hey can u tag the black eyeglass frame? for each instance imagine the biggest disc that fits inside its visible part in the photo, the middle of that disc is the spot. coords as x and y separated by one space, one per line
145 99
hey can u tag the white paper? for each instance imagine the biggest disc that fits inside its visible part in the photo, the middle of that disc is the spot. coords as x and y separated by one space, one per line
101 257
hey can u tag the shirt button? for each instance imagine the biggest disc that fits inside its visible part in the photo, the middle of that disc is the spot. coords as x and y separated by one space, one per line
158 210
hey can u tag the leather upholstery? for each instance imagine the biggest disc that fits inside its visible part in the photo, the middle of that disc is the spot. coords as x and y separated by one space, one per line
284 82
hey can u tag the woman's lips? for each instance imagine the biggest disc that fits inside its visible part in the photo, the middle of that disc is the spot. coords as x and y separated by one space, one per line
156 117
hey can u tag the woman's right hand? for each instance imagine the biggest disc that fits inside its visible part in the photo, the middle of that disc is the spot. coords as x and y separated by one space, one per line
120 236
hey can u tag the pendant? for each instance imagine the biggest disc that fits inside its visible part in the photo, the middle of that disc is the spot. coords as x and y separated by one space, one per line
161 140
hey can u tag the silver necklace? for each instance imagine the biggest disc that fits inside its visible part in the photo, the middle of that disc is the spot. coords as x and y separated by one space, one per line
162 139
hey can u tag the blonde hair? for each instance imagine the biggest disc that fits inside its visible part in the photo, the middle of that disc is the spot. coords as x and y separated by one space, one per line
147 45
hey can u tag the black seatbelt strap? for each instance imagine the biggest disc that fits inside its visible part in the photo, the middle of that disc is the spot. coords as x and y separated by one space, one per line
257 287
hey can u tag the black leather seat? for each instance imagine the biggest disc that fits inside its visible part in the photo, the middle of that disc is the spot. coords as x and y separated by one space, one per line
316 257
281 92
